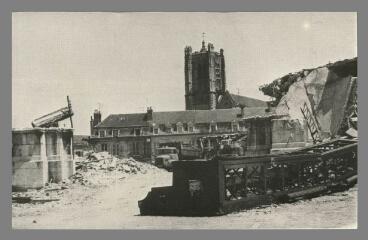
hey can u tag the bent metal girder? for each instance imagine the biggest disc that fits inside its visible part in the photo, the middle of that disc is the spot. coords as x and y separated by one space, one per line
319 165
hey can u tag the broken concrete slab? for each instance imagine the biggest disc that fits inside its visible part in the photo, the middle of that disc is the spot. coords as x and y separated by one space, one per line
352 132
326 91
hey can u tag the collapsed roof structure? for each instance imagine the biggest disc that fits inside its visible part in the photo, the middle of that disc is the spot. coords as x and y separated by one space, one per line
329 91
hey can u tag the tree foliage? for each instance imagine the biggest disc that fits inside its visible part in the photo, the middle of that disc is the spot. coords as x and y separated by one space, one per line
279 87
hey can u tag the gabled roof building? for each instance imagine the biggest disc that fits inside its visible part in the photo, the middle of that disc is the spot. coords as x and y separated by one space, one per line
210 110
139 134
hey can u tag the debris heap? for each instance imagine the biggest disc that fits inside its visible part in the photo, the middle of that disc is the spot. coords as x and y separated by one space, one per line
104 161
51 192
100 168
93 170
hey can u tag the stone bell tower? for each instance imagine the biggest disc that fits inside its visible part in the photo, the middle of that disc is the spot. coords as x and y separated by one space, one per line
205 78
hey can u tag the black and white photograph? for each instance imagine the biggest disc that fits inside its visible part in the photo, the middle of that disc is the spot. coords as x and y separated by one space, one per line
184 120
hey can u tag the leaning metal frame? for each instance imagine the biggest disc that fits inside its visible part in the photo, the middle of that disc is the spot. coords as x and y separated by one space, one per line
315 167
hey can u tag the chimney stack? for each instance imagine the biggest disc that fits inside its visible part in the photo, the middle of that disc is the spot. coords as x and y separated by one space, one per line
149 114
242 106
268 109
96 119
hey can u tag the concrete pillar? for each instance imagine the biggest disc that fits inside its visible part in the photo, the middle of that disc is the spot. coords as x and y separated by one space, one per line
72 154
62 156
43 158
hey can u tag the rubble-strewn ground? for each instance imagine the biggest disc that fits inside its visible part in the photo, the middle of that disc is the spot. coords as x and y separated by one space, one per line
107 199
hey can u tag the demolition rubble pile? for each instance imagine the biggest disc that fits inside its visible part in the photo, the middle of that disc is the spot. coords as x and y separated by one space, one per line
95 169
51 192
101 168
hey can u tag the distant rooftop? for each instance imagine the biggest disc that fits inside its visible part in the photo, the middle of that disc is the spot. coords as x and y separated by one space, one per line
194 116
56 129
247 101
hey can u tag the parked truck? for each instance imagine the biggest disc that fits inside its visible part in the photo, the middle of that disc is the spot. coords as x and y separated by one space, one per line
185 151
165 157
207 148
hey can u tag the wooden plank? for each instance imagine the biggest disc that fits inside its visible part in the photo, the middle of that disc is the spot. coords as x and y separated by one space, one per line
44 200
317 145
309 191
340 150
21 199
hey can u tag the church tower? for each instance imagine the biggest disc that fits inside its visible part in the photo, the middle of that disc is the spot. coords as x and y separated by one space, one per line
204 77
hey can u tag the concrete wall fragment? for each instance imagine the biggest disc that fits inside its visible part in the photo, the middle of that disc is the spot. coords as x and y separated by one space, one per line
41 155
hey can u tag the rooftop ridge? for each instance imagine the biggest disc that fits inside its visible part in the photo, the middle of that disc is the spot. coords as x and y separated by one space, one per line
197 110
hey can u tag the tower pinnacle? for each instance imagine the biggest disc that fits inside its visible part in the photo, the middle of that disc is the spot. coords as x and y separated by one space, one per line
203 43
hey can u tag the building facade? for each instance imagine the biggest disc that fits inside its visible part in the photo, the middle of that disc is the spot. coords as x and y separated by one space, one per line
138 135
210 110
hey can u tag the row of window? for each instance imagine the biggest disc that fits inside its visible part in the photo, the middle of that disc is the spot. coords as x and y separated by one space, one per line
185 127
116 132
174 128
134 148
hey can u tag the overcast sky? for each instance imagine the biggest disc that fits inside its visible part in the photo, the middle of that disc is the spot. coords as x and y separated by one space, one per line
124 62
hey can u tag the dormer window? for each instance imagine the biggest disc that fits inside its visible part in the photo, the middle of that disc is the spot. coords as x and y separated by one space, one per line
185 127
174 127
102 133
137 131
152 128
235 126
115 133
190 127
242 127
162 127
213 127
179 127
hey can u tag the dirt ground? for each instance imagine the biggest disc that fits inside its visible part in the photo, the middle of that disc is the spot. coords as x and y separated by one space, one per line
113 205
